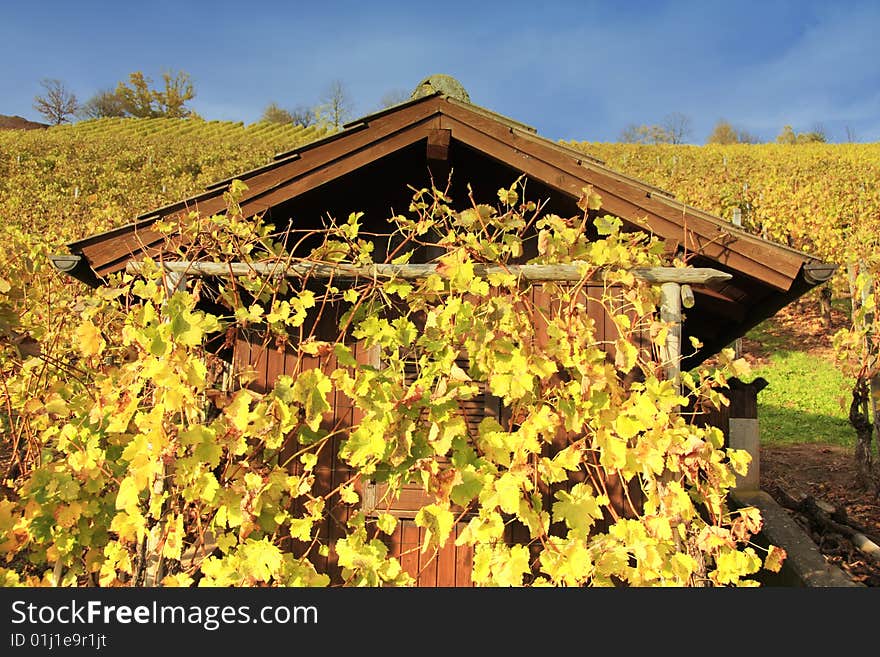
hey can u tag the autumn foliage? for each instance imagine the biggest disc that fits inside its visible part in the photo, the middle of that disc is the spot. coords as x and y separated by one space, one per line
125 473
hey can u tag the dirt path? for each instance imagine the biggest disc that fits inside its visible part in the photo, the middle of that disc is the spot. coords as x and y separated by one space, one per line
826 472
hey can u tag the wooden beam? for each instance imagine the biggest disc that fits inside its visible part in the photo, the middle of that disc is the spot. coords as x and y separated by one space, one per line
438 145
571 272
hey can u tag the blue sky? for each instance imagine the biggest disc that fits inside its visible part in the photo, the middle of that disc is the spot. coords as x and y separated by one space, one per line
574 70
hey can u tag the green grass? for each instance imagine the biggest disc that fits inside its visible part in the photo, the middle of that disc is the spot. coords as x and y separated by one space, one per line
806 401
768 334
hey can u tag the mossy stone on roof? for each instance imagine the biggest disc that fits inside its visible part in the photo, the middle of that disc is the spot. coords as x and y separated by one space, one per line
444 84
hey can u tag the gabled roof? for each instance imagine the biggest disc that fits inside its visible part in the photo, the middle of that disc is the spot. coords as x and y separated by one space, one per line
766 275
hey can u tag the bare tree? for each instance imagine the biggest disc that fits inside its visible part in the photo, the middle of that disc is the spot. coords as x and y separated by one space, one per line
817 134
677 127
304 116
632 134
850 134
746 137
336 104
393 97
57 103
102 104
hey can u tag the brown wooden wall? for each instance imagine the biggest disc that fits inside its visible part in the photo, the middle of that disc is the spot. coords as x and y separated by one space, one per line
269 362
451 566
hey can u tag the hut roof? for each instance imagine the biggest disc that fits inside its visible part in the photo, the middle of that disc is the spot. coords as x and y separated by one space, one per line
370 163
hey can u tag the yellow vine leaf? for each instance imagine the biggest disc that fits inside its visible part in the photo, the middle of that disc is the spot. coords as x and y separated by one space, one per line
89 339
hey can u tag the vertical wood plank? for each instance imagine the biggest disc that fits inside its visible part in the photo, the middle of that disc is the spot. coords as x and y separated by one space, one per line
257 361
274 365
464 561
541 313
241 356
446 562
427 564
409 547
596 311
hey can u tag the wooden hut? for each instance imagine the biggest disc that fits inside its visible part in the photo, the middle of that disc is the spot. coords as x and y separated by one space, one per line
371 165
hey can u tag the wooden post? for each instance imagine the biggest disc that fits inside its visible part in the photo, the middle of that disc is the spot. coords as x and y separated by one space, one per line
154 568
174 282
670 311
743 429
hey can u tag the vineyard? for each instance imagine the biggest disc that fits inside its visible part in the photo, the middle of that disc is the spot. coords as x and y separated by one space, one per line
106 171
813 197
80 372
64 183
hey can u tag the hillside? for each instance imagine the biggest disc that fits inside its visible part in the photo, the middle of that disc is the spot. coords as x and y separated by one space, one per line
63 183
809 196
19 123
72 180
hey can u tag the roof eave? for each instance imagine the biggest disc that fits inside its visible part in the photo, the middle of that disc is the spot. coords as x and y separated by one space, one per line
808 279
76 267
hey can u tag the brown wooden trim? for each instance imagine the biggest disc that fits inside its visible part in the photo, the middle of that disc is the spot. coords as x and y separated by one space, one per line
261 185
573 161
244 176
665 216
325 173
277 194
433 118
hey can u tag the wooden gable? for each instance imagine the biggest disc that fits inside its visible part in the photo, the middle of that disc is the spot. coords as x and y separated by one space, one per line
373 162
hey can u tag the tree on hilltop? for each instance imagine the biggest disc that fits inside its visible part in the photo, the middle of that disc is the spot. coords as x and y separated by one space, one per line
677 126
674 129
789 136
139 100
299 115
103 104
304 116
57 103
275 114
746 137
336 105
644 134
178 90
723 133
